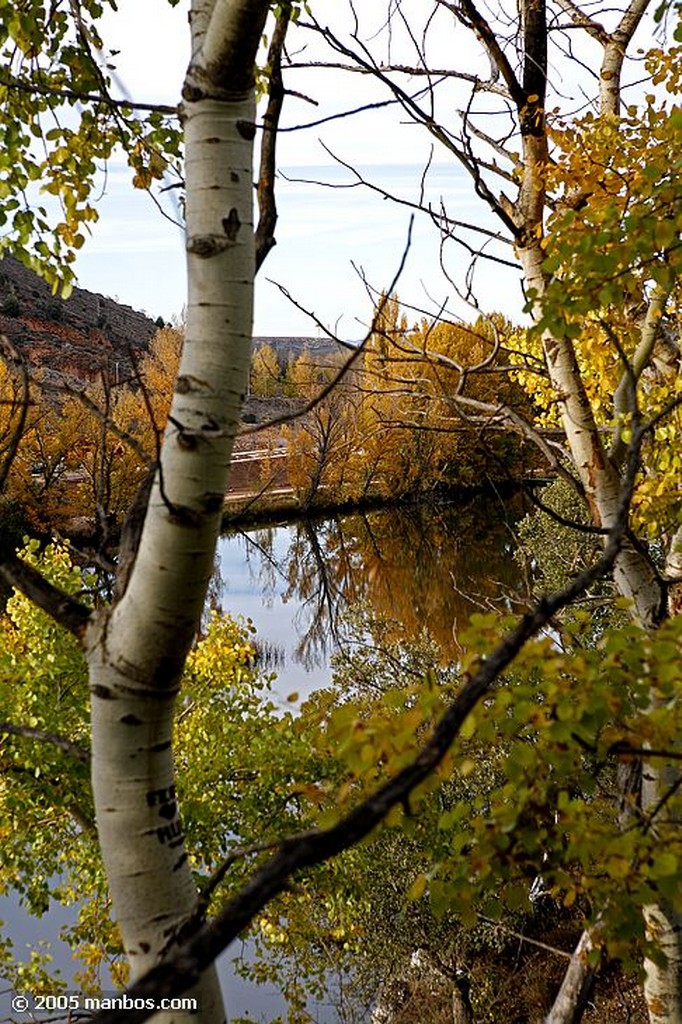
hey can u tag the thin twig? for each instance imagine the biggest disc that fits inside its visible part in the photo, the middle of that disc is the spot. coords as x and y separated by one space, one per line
42 736
183 968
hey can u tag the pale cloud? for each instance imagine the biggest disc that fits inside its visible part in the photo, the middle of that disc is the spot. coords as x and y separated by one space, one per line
323 233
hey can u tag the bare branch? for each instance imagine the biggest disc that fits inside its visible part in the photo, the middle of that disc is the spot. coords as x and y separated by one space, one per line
493 143
42 736
467 12
498 926
265 231
624 399
34 88
63 608
582 20
441 219
423 117
480 84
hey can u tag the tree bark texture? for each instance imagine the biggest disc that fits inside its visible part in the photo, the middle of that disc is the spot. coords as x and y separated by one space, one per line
136 650
634 572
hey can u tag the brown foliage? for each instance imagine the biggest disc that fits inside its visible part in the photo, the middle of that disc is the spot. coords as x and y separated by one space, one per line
424 407
83 454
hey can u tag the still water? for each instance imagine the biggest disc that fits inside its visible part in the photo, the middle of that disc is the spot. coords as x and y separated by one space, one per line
309 587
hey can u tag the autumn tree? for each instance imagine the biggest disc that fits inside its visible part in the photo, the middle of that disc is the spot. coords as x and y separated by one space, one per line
264 376
589 206
136 649
322 442
85 449
406 418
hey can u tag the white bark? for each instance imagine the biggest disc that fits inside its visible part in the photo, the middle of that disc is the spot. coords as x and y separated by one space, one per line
136 651
662 985
634 573
615 49
570 1001
636 579
615 46
663 922
641 359
673 572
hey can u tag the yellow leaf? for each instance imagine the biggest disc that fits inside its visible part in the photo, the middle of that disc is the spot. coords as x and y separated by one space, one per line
417 888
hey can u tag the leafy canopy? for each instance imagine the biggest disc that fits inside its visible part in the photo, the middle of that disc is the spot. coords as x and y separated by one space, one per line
60 127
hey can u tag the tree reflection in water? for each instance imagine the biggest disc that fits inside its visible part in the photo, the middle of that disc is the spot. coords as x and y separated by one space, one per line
420 567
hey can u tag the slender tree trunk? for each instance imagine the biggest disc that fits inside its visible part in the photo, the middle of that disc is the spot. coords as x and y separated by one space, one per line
136 650
634 572
636 579
571 999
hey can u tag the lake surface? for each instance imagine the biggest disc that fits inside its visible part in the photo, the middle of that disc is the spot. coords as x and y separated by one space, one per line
419 567
306 586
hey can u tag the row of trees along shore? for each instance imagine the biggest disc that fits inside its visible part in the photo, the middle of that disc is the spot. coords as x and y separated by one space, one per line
399 421
552 747
85 448
388 429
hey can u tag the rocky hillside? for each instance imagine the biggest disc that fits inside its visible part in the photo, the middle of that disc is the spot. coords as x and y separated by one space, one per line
82 337
288 349
90 334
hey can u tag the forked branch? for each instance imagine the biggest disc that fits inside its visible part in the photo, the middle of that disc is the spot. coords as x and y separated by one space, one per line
63 608
183 967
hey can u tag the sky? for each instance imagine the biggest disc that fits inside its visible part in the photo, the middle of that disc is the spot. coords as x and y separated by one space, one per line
337 247
338 244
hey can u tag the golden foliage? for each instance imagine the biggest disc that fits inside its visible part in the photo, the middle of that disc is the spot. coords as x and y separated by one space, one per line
82 455
423 407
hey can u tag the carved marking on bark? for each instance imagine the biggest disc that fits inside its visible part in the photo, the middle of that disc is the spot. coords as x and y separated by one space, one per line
171 835
168 811
180 861
161 796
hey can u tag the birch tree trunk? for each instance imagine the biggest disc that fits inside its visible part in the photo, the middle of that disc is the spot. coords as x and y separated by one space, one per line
636 579
136 650
635 574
